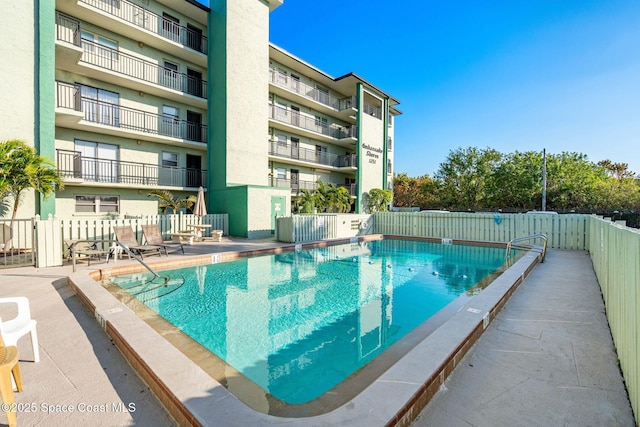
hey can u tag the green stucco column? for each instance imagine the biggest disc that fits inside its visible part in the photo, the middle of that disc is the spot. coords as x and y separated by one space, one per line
44 90
385 154
359 103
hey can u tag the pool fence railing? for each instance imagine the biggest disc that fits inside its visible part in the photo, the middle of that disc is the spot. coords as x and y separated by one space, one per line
51 233
614 249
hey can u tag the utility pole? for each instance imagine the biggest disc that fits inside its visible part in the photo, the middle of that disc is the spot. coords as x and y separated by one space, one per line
544 179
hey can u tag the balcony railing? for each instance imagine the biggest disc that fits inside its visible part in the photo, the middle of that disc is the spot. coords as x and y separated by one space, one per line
294 118
372 111
108 114
313 156
297 185
68 30
152 22
72 164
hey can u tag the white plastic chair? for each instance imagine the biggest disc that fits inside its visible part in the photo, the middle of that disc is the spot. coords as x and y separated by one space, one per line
20 325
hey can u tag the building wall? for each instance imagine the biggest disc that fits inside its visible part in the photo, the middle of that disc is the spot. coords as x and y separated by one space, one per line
239 71
26 92
131 201
142 92
18 70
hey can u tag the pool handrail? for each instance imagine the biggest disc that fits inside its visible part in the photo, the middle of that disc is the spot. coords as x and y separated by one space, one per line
542 236
137 258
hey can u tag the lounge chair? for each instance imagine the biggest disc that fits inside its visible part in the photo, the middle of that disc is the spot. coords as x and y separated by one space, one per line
86 249
153 237
127 239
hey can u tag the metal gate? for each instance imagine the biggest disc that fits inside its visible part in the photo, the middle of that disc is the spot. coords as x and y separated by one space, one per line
17 243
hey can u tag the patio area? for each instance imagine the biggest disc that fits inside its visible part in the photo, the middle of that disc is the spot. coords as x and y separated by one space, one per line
547 358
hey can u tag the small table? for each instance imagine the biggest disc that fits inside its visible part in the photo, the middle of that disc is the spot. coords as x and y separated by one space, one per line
198 230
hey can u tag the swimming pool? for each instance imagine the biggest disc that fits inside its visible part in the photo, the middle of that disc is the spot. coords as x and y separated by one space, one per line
299 323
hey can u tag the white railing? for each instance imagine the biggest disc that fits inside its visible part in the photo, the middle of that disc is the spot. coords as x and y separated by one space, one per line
17 239
563 231
308 228
51 233
615 254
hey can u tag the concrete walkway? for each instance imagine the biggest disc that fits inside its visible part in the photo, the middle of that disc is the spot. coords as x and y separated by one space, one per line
546 360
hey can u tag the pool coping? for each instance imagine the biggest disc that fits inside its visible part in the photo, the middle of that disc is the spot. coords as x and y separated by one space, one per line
193 397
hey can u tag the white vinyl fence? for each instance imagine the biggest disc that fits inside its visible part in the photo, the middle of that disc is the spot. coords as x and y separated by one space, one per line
563 231
308 228
51 233
615 253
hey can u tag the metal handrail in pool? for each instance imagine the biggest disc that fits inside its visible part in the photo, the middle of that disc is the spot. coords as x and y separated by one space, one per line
525 238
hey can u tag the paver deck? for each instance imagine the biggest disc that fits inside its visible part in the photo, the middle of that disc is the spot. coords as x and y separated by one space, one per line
547 359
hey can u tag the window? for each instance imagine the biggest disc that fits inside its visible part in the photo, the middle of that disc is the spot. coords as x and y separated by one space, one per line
98 162
97 204
170 27
281 173
169 159
321 154
281 111
282 77
170 76
100 106
321 121
282 140
170 125
99 50
295 83
323 95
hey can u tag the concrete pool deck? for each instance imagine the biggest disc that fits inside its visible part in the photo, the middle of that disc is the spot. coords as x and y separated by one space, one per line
82 369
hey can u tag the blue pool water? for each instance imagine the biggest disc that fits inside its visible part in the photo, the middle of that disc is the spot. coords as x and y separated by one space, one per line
299 323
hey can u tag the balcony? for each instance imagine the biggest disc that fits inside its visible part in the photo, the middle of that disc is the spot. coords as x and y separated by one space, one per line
123 69
372 111
304 155
152 22
313 127
138 23
296 185
287 87
78 112
74 167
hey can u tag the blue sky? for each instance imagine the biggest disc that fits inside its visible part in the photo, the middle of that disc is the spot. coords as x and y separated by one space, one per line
510 75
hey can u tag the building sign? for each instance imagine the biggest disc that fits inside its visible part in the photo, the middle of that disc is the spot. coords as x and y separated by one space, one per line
373 154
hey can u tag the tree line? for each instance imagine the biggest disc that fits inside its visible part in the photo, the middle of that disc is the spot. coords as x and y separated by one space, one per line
485 179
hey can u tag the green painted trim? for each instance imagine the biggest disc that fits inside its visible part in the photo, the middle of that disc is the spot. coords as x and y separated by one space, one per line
385 154
359 102
44 90
217 96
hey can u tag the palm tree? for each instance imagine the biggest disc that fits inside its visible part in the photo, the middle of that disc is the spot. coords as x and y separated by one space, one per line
326 197
377 200
166 201
22 168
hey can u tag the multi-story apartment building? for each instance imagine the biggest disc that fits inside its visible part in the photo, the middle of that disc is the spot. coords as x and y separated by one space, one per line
133 95
338 130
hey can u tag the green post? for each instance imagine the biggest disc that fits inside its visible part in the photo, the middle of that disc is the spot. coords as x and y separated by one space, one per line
44 91
359 103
